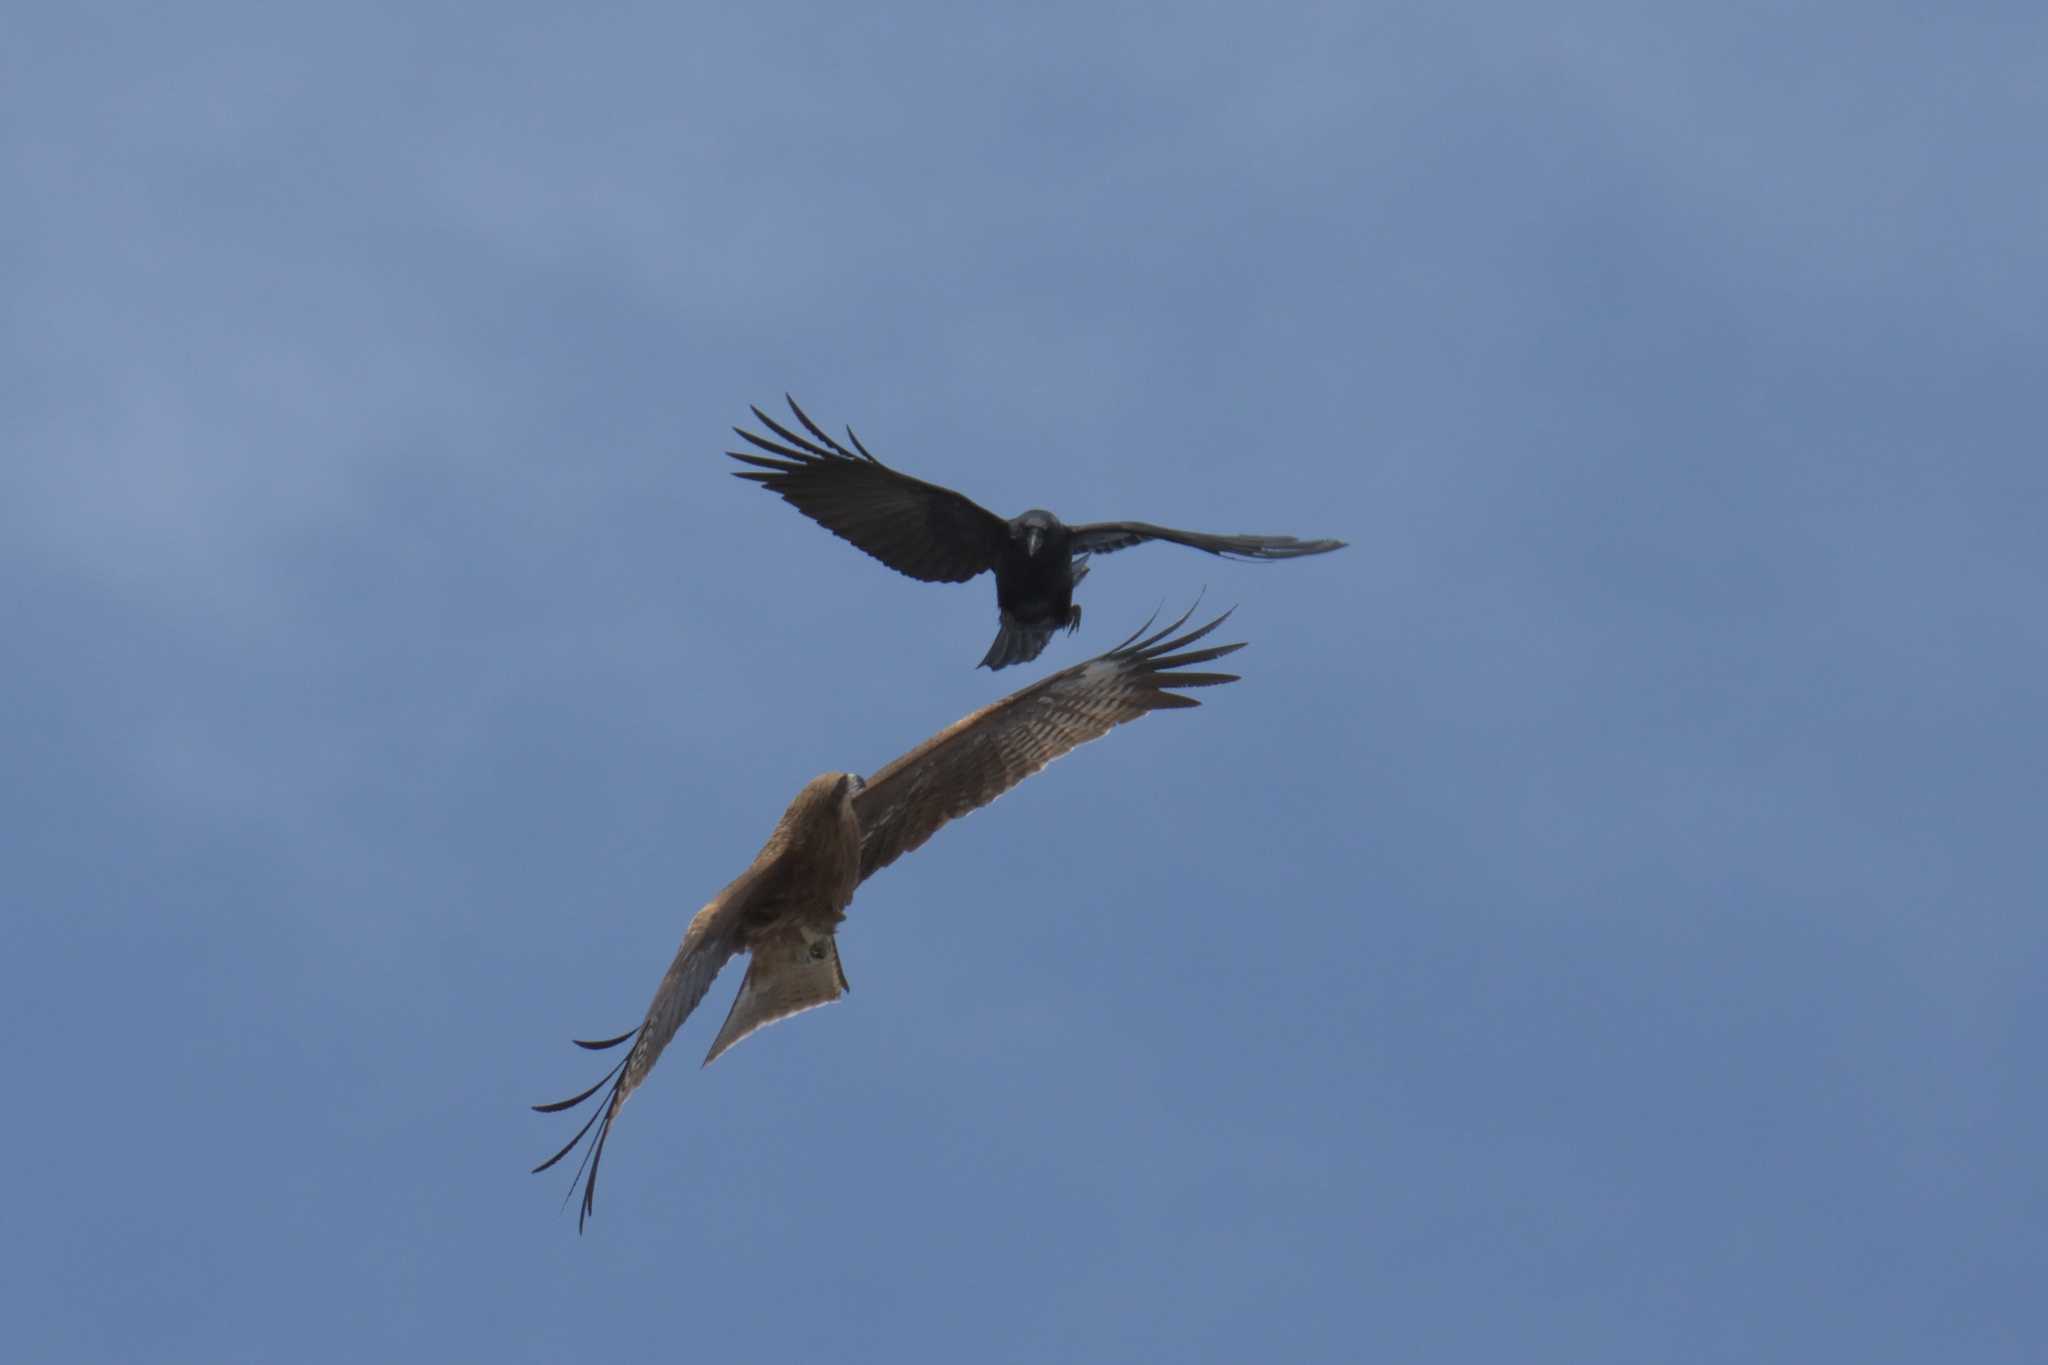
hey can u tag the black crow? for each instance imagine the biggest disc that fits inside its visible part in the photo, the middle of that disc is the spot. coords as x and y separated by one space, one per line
937 535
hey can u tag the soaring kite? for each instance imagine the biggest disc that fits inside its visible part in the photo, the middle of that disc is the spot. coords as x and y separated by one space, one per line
939 536
784 910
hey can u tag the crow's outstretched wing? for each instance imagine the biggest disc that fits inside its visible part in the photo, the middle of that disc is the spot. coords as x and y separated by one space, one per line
1103 537
914 527
975 760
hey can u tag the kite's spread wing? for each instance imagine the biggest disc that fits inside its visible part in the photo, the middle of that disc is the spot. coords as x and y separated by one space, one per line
973 761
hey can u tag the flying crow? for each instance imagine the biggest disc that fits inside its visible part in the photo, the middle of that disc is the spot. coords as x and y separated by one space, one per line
937 535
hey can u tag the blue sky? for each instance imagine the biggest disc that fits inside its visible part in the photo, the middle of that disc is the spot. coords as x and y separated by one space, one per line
1605 923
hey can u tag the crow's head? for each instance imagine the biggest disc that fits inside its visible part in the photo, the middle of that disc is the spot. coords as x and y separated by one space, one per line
1033 529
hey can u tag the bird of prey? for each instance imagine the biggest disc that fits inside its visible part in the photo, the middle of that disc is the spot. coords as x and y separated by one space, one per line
785 909
939 536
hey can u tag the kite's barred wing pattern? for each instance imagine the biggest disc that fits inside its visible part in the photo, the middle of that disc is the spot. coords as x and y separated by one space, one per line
705 950
971 763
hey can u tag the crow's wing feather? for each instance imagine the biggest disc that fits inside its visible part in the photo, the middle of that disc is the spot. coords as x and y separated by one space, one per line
1104 537
914 527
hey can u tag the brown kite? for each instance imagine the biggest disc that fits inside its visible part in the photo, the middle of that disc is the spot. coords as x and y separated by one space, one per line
784 910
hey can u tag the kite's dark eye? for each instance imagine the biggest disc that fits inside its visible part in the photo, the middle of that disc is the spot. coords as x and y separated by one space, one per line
818 951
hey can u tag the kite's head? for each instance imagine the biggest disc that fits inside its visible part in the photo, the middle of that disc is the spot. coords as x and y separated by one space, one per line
831 787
